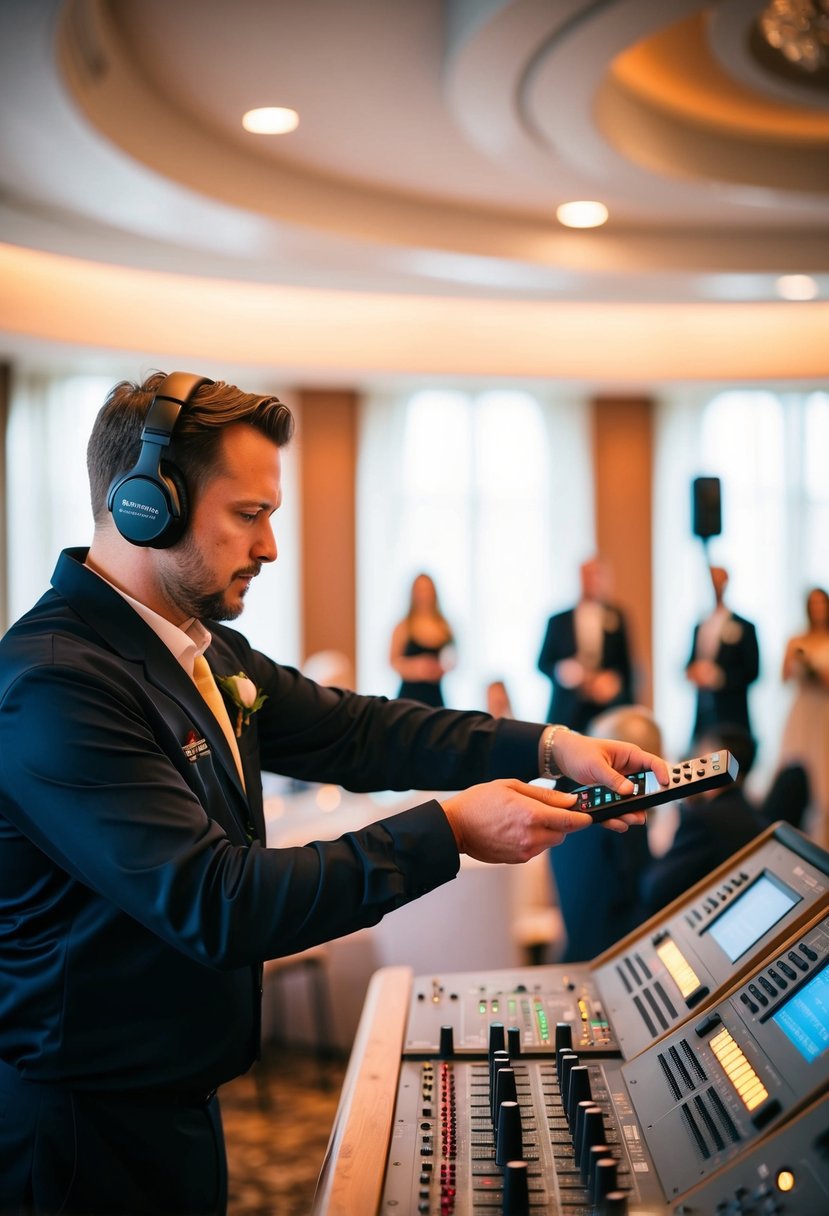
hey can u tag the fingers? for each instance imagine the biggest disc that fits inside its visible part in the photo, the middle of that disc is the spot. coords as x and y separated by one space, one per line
629 820
511 821
613 759
658 767
565 818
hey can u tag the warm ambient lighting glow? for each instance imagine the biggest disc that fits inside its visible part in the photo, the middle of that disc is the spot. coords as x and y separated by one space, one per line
270 120
328 798
796 287
582 214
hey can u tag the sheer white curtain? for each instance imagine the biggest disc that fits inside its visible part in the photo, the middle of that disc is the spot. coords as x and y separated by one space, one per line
50 420
491 494
769 451
48 493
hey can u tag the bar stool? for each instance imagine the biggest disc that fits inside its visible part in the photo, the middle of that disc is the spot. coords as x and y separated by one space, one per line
312 965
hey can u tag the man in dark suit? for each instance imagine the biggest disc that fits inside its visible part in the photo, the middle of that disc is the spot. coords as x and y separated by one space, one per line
138 898
724 662
586 653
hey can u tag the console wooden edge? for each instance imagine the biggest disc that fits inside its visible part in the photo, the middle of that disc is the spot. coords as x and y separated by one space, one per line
352 1173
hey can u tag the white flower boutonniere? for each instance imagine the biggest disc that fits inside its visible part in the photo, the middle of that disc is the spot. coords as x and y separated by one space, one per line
245 696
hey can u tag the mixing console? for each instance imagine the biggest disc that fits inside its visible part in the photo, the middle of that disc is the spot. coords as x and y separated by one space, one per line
684 1072
675 963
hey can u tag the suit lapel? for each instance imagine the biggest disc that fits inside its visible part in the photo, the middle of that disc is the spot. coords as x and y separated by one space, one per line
126 633
225 661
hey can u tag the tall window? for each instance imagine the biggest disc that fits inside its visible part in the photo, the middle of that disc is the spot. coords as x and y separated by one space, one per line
48 505
490 494
769 451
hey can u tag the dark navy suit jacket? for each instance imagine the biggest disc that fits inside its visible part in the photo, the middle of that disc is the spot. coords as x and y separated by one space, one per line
739 657
567 705
134 911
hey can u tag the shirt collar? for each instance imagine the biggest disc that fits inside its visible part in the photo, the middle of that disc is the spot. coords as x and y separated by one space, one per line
185 642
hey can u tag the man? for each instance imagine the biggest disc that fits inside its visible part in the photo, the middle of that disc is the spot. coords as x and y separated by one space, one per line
724 662
137 897
586 653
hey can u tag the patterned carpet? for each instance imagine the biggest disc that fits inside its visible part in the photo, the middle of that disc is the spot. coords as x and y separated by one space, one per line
277 1121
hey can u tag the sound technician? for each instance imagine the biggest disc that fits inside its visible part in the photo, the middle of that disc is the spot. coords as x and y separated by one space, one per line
137 897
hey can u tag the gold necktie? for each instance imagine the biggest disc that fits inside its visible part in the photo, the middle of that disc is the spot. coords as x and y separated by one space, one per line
209 689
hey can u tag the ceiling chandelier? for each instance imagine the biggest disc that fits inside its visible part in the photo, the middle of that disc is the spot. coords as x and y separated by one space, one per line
799 31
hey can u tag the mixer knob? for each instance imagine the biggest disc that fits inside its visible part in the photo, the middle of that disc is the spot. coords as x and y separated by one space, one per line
516 1189
568 1063
604 1181
496 1037
514 1042
577 1090
592 1135
615 1203
508 1138
504 1090
597 1152
560 1054
447 1043
564 1035
578 1134
499 1060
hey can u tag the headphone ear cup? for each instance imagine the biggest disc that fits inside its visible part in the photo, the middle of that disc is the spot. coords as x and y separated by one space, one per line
180 501
149 503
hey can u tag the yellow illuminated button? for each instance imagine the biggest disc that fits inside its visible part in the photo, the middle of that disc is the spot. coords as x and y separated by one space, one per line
785 1180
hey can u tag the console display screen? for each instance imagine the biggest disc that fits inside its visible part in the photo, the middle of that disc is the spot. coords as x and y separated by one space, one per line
759 907
804 1019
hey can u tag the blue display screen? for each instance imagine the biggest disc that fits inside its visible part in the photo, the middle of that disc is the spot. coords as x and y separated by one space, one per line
804 1019
759 907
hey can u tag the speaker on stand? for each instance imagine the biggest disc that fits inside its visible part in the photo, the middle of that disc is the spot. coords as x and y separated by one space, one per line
707 510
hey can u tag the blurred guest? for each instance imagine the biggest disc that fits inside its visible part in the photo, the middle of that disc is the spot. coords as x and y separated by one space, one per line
712 825
806 732
724 662
422 646
597 882
586 653
498 700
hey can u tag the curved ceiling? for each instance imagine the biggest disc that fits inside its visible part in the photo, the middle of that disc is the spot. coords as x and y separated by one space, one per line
417 195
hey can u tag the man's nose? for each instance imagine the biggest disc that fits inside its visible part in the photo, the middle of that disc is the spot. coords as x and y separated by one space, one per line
265 549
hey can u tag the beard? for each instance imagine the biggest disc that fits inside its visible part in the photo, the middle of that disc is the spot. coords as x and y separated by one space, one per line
190 585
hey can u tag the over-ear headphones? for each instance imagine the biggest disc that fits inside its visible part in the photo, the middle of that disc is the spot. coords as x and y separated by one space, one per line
149 503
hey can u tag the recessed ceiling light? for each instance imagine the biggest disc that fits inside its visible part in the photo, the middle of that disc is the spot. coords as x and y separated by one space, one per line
270 120
797 287
582 214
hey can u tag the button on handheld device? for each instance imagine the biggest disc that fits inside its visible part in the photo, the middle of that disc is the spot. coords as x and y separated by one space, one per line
686 779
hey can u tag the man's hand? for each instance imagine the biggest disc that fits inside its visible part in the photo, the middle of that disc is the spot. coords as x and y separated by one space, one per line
510 821
604 762
705 674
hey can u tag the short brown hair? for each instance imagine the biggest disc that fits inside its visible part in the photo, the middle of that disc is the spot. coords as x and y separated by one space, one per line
115 441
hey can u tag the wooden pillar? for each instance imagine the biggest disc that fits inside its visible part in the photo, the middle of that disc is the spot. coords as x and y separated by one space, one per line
623 465
327 446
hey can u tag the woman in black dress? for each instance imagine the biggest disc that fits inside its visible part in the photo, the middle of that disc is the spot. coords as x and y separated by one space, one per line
421 646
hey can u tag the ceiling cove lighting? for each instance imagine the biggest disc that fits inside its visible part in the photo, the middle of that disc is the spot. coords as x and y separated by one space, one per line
797 287
270 120
582 214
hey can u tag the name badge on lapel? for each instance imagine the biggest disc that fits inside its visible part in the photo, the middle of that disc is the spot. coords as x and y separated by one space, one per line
194 747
